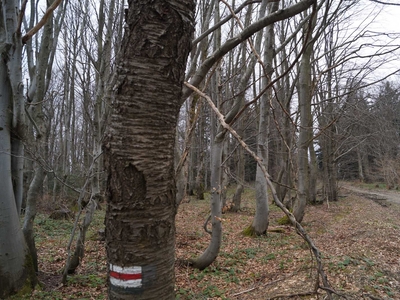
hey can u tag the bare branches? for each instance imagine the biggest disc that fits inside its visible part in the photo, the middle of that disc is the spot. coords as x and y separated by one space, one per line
242 36
21 16
222 22
299 229
41 23
385 3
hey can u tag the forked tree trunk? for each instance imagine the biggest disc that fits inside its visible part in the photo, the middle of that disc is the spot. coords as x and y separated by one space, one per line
16 269
139 149
37 91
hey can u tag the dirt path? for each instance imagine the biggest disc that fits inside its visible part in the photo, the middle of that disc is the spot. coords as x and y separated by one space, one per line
378 195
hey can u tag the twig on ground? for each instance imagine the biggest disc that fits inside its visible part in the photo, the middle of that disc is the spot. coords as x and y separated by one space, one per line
257 287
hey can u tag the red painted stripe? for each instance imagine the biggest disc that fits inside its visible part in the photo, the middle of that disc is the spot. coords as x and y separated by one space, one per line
125 276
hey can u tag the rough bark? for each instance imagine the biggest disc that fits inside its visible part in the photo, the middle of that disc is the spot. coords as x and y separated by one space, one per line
139 148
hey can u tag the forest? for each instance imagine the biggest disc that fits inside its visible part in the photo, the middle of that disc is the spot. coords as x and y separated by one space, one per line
209 149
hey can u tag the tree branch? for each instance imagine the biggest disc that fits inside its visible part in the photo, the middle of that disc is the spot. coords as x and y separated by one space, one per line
385 3
21 16
299 229
41 23
279 15
222 22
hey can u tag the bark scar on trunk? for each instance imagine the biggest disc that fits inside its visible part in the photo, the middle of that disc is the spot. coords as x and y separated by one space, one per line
133 185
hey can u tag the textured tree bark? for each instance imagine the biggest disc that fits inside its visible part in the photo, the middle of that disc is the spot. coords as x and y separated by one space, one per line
139 149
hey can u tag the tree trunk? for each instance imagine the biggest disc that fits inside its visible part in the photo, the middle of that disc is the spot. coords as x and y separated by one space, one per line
100 115
211 253
139 150
240 173
260 222
16 269
30 213
305 131
37 92
200 177
313 174
79 251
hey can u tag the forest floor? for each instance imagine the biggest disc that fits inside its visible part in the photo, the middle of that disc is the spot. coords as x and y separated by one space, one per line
359 238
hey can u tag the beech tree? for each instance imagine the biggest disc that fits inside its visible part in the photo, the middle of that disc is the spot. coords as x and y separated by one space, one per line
16 263
16 268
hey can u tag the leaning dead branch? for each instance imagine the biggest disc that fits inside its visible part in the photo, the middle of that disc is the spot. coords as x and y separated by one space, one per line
41 23
299 229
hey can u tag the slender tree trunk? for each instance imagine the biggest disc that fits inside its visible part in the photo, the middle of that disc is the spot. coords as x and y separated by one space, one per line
224 174
139 149
100 115
361 175
211 253
305 131
240 173
260 222
30 213
37 92
200 177
313 174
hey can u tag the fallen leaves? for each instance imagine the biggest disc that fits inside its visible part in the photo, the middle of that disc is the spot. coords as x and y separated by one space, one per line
359 240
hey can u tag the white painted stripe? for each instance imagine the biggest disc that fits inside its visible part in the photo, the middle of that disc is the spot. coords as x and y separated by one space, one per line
131 283
137 283
126 270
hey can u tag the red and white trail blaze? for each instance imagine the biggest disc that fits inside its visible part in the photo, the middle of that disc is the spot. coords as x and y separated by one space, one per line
126 277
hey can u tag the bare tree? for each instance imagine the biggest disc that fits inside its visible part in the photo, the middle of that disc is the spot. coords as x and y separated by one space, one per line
211 252
16 267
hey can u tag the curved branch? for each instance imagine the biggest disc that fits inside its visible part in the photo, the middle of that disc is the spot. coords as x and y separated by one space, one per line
385 3
242 36
222 22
